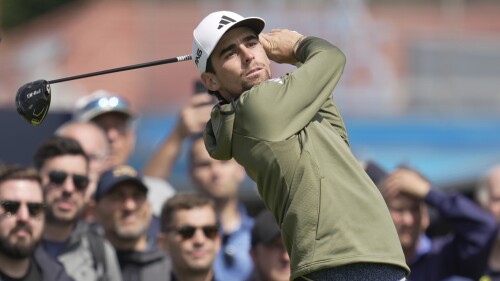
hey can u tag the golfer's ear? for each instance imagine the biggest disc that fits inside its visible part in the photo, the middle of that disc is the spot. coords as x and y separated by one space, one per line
210 81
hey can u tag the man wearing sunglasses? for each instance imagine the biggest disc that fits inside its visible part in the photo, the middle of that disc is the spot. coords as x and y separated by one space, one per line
218 180
21 224
124 214
64 167
93 140
189 234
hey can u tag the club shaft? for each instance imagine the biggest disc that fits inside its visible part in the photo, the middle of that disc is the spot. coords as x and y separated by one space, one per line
123 68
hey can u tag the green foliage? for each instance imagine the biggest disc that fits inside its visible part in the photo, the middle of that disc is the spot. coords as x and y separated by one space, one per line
16 12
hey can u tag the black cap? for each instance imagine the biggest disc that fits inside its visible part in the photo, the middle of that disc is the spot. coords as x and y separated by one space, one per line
115 176
265 229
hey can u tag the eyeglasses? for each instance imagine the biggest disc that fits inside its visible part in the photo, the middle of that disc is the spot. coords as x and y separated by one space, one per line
11 208
187 232
79 181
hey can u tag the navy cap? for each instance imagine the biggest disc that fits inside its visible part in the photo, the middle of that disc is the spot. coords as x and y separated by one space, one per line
265 229
115 176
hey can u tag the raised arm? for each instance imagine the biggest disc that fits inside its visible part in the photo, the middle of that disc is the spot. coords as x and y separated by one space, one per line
474 229
288 104
191 120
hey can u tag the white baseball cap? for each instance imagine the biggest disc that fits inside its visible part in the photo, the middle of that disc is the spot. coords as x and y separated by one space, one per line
208 33
100 102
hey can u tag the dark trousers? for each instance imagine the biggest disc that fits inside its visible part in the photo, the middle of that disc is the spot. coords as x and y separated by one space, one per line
358 272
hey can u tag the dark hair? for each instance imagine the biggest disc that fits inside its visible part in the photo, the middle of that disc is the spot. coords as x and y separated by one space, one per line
57 146
182 201
18 172
376 173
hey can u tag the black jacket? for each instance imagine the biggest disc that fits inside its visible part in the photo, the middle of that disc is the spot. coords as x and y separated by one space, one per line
50 270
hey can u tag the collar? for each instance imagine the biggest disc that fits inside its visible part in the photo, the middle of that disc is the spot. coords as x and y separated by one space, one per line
423 247
246 220
173 278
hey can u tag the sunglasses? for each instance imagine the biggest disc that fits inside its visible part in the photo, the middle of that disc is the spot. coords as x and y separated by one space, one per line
79 181
11 207
187 232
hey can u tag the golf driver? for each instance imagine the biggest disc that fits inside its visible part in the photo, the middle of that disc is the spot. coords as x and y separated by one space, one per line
33 99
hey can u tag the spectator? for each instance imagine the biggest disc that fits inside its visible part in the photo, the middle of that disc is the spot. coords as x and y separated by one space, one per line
191 120
462 253
115 116
269 255
216 179
63 167
488 196
124 214
21 223
189 234
95 144
220 180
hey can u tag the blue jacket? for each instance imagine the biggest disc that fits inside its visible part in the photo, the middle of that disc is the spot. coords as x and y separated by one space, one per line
465 251
233 261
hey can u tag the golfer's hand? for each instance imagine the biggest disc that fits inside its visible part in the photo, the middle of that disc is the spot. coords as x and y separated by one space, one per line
279 45
405 181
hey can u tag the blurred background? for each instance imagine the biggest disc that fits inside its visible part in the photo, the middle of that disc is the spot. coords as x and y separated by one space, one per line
421 86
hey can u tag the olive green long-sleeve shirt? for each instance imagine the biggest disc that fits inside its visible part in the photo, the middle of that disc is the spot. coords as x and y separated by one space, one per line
289 136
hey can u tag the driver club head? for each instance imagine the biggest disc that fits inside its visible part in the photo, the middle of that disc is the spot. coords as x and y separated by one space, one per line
33 101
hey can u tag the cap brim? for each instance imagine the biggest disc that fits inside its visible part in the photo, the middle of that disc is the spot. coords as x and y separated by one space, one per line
135 181
91 114
140 184
256 24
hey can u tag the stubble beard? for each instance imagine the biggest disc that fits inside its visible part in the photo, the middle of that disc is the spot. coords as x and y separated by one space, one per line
52 218
247 85
129 235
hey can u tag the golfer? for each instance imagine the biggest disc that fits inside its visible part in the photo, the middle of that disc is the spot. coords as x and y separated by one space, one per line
290 137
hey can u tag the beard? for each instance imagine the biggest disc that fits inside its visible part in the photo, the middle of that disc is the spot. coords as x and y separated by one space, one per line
21 249
129 234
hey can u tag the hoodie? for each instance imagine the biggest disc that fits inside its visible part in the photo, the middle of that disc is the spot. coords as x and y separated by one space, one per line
290 137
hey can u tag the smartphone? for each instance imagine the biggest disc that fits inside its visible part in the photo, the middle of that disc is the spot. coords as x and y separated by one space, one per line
199 88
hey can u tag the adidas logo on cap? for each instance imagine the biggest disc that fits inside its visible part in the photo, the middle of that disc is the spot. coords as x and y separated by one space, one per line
225 20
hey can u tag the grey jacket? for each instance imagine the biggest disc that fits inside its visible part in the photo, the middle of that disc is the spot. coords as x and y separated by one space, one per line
148 265
78 260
